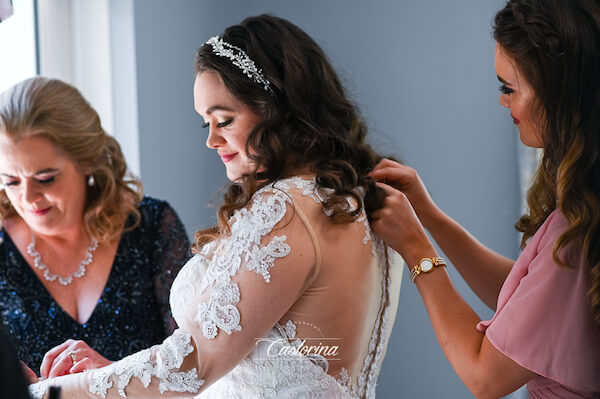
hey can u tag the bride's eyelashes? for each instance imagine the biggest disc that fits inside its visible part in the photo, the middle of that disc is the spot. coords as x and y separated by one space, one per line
219 125
223 124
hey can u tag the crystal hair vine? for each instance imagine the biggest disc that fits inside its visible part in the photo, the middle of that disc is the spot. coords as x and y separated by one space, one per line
240 59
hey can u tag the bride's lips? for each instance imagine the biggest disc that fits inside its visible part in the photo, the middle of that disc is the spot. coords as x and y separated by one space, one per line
515 120
228 157
41 212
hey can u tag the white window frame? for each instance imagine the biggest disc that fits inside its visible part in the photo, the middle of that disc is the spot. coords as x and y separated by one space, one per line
78 44
18 47
74 42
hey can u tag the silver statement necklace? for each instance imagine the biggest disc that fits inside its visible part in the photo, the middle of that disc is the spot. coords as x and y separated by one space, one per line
64 280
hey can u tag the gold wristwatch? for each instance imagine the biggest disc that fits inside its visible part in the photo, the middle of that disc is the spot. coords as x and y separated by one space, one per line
426 265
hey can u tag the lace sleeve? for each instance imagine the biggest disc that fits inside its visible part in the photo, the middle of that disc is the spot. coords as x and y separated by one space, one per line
224 300
171 253
160 371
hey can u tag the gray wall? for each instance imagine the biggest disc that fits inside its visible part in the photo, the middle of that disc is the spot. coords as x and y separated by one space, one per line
422 73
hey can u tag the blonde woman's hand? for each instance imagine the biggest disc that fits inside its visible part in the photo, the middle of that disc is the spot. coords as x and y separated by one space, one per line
407 180
30 375
72 356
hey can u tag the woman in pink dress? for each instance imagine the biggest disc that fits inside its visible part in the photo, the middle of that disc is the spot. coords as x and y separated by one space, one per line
546 329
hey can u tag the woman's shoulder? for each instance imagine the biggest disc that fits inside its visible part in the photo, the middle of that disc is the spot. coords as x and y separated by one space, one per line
553 227
549 231
156 215
276 203
151 203
556 222
300 183
544 240
299 191
159 226
152 209
301 188
312 204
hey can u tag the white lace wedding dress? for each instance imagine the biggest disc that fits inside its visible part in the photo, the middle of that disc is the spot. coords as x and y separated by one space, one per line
288 305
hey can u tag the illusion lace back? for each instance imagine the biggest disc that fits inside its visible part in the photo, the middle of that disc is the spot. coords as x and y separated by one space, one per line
288 305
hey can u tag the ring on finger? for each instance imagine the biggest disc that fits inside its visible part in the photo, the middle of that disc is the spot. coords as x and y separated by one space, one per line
73 357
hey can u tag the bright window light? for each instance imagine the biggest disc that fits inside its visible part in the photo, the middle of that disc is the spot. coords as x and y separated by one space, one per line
17 44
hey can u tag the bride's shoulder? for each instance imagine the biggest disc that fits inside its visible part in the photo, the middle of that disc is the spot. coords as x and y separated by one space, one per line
298 188
283 196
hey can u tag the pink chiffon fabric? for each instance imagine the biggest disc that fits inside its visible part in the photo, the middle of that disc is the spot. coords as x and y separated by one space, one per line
543 320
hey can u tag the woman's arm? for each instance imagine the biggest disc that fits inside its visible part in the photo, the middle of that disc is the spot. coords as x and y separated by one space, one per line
171 253
224 301
474 359
483 269
485 371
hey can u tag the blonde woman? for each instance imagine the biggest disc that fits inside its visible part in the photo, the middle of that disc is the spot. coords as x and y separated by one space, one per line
86 262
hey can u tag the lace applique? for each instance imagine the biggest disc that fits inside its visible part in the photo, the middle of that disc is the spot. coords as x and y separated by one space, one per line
169 356
346 382
248 227
220 311
290 329
368 235
37 391
275 370
309 189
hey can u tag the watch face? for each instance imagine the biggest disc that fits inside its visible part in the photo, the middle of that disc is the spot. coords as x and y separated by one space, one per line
426 265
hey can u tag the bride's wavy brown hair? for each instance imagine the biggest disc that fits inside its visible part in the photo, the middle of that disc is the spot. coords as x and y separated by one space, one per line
307 122
556 46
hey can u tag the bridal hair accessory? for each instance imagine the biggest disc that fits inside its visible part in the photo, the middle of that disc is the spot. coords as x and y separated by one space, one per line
240 59
91 181
80 272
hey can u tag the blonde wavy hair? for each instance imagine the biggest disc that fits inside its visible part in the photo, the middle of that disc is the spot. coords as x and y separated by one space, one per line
57 111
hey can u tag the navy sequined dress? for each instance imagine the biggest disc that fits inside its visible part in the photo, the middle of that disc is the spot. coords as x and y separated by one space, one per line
133 311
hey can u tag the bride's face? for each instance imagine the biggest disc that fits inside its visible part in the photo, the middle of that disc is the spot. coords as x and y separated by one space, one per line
228 120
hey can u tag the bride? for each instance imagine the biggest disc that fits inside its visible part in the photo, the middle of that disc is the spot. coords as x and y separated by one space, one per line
291 295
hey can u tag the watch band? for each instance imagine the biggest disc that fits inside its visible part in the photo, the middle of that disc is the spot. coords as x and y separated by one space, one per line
418 269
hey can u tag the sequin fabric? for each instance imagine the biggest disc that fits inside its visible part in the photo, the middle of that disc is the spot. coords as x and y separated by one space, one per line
133 311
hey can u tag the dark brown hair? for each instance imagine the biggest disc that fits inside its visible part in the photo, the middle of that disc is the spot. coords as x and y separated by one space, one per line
556 46
307 120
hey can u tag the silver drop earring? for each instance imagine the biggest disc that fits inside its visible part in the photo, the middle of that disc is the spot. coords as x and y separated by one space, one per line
91 181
